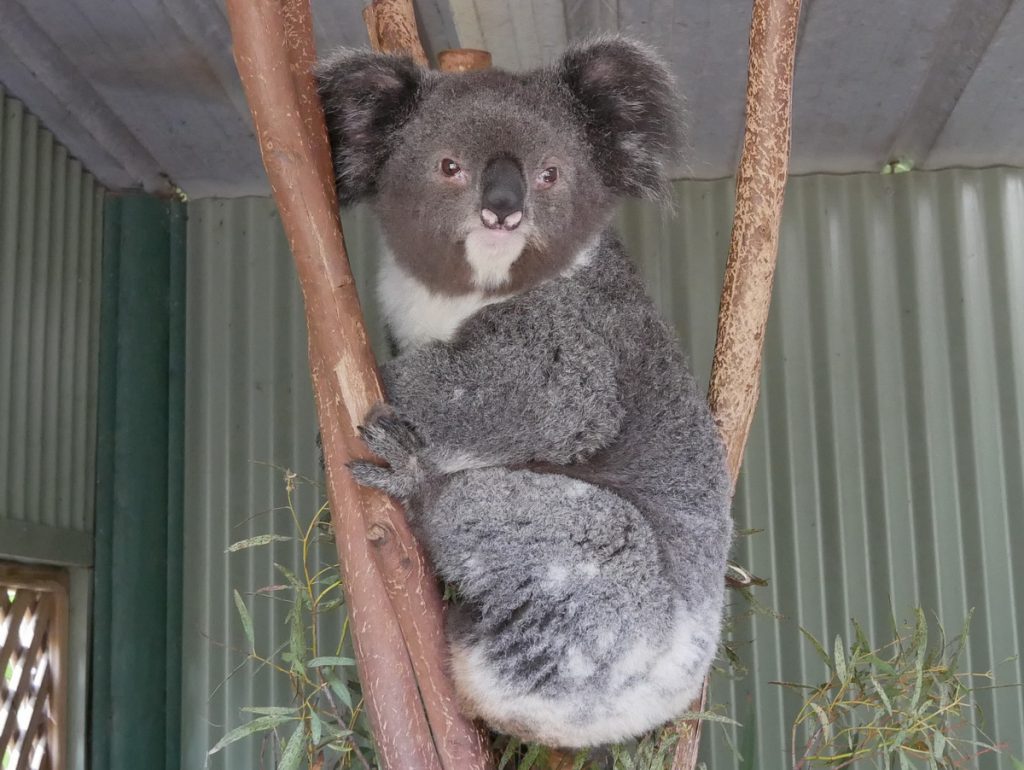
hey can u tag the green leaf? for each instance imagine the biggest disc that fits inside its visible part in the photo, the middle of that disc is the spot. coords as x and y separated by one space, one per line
840 660
316 728
506 756
939 745
329 661
297 638
818 646
880 664
293 751
262 724
290 577
338 687
531 757
881 694
246 620
1017 764
921 643
275 711
904 762
580 760
251 542
826 726
707 716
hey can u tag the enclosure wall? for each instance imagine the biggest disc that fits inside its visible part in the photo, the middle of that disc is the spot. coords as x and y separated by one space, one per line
51 234
884 464
51 230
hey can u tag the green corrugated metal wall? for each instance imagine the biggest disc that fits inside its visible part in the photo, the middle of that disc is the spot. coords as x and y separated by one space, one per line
885 461
51 229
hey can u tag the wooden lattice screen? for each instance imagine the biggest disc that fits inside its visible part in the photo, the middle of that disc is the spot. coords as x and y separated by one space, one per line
33 644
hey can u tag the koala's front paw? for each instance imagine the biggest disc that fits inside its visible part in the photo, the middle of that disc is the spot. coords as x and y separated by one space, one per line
395 440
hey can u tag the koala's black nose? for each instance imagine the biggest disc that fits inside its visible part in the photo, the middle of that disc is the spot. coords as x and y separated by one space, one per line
503 192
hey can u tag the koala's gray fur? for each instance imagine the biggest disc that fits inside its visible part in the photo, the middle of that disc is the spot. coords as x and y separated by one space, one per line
556 456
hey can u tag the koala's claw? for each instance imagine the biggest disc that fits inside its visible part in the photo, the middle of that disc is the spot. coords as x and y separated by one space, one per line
389 435
398 485
395 440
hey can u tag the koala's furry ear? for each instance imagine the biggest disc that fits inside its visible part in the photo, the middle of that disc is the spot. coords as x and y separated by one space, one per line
366 98
630 112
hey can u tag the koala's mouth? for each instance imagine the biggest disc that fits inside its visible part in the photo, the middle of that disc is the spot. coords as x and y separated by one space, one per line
491 253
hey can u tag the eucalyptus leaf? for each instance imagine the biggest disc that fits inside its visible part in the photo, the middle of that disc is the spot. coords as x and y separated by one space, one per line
707 716
316 728
296 638
259 725
818 646
275 711
904 762
506 756
243 612
826 725
338 687
939 745
840 660
293 752
881 694
258 540
329 661
531 757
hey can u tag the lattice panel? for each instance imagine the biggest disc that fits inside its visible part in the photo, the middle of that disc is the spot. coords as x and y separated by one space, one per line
31 630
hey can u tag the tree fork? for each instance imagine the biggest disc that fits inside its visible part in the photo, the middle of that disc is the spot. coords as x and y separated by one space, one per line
392 596
753 249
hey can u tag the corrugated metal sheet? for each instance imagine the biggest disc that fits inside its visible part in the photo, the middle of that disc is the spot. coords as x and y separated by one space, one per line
249 414
885 460
885 463
933 81
51 214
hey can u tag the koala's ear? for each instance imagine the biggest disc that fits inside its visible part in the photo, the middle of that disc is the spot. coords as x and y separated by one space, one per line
367 97
630 112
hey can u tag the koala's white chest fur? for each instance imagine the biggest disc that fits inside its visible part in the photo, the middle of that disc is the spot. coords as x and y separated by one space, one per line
415 314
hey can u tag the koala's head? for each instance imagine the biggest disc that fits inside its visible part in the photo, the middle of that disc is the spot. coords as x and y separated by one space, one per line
494 181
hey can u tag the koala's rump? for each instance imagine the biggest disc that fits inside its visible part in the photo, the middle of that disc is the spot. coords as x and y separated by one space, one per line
569 634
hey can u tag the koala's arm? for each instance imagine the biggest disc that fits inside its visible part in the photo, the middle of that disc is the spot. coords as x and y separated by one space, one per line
497 399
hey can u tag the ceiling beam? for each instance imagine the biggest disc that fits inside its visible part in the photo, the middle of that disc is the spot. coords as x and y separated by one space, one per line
958 51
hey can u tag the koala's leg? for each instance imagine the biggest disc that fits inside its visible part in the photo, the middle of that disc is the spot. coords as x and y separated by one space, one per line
569 631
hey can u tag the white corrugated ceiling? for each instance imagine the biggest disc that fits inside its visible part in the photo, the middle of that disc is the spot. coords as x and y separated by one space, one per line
145 92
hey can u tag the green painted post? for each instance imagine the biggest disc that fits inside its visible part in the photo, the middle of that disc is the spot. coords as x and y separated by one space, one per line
137 620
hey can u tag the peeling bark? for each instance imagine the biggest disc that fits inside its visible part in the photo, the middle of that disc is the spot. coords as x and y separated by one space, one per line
392 596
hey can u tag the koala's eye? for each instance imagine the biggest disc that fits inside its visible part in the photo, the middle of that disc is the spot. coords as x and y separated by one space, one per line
450 168
547 177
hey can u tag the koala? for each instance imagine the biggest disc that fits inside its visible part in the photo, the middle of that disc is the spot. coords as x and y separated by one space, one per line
554 454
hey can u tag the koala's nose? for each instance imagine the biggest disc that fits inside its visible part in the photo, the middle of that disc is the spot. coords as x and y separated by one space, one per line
503 192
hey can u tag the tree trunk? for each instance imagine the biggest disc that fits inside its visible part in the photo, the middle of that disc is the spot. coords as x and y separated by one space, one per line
392 597
750 270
